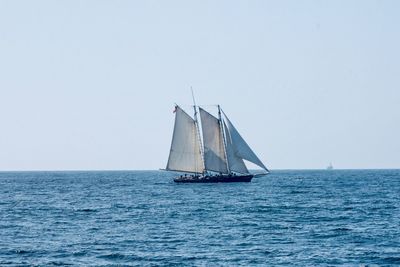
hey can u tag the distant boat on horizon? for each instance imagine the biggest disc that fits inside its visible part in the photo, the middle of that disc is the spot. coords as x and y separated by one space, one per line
216 156
330 167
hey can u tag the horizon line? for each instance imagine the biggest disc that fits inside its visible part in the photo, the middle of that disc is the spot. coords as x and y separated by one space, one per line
131 170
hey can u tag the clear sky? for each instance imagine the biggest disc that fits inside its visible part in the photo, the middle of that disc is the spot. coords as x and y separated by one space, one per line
92 84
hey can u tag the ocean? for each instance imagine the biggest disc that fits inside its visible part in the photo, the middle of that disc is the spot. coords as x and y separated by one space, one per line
142 218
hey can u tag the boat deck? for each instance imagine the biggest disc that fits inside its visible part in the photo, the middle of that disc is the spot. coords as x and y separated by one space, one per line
214 179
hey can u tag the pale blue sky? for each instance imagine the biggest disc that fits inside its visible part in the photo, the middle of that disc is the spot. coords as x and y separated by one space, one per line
92 84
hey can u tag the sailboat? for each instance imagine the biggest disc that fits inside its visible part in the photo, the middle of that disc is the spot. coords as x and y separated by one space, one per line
330 166
215 156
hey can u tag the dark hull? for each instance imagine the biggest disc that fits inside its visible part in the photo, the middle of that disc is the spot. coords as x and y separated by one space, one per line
214 179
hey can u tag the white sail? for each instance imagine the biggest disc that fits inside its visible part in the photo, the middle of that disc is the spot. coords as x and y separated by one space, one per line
214 153
241 148
235 163
185 154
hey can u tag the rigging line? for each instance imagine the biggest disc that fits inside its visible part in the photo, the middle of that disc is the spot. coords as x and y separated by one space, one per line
198 131
194 100
209 105
200 105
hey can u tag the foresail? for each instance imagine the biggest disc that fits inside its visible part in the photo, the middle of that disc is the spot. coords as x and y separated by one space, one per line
240 147
235 163
185 154
214 153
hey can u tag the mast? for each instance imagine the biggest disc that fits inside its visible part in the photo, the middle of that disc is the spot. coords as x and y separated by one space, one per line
223 138
198 129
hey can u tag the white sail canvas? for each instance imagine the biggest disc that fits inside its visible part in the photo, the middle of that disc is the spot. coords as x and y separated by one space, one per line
235 163
185 154
241 148
214 153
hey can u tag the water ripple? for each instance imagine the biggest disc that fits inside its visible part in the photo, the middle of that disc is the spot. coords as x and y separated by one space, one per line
305 218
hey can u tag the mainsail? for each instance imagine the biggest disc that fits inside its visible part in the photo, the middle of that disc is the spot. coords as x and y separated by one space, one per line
185 153
214 153
240 147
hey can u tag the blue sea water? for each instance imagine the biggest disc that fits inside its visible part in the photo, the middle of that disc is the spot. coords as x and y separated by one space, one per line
142 218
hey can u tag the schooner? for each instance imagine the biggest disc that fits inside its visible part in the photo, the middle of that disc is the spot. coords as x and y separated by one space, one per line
215 156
